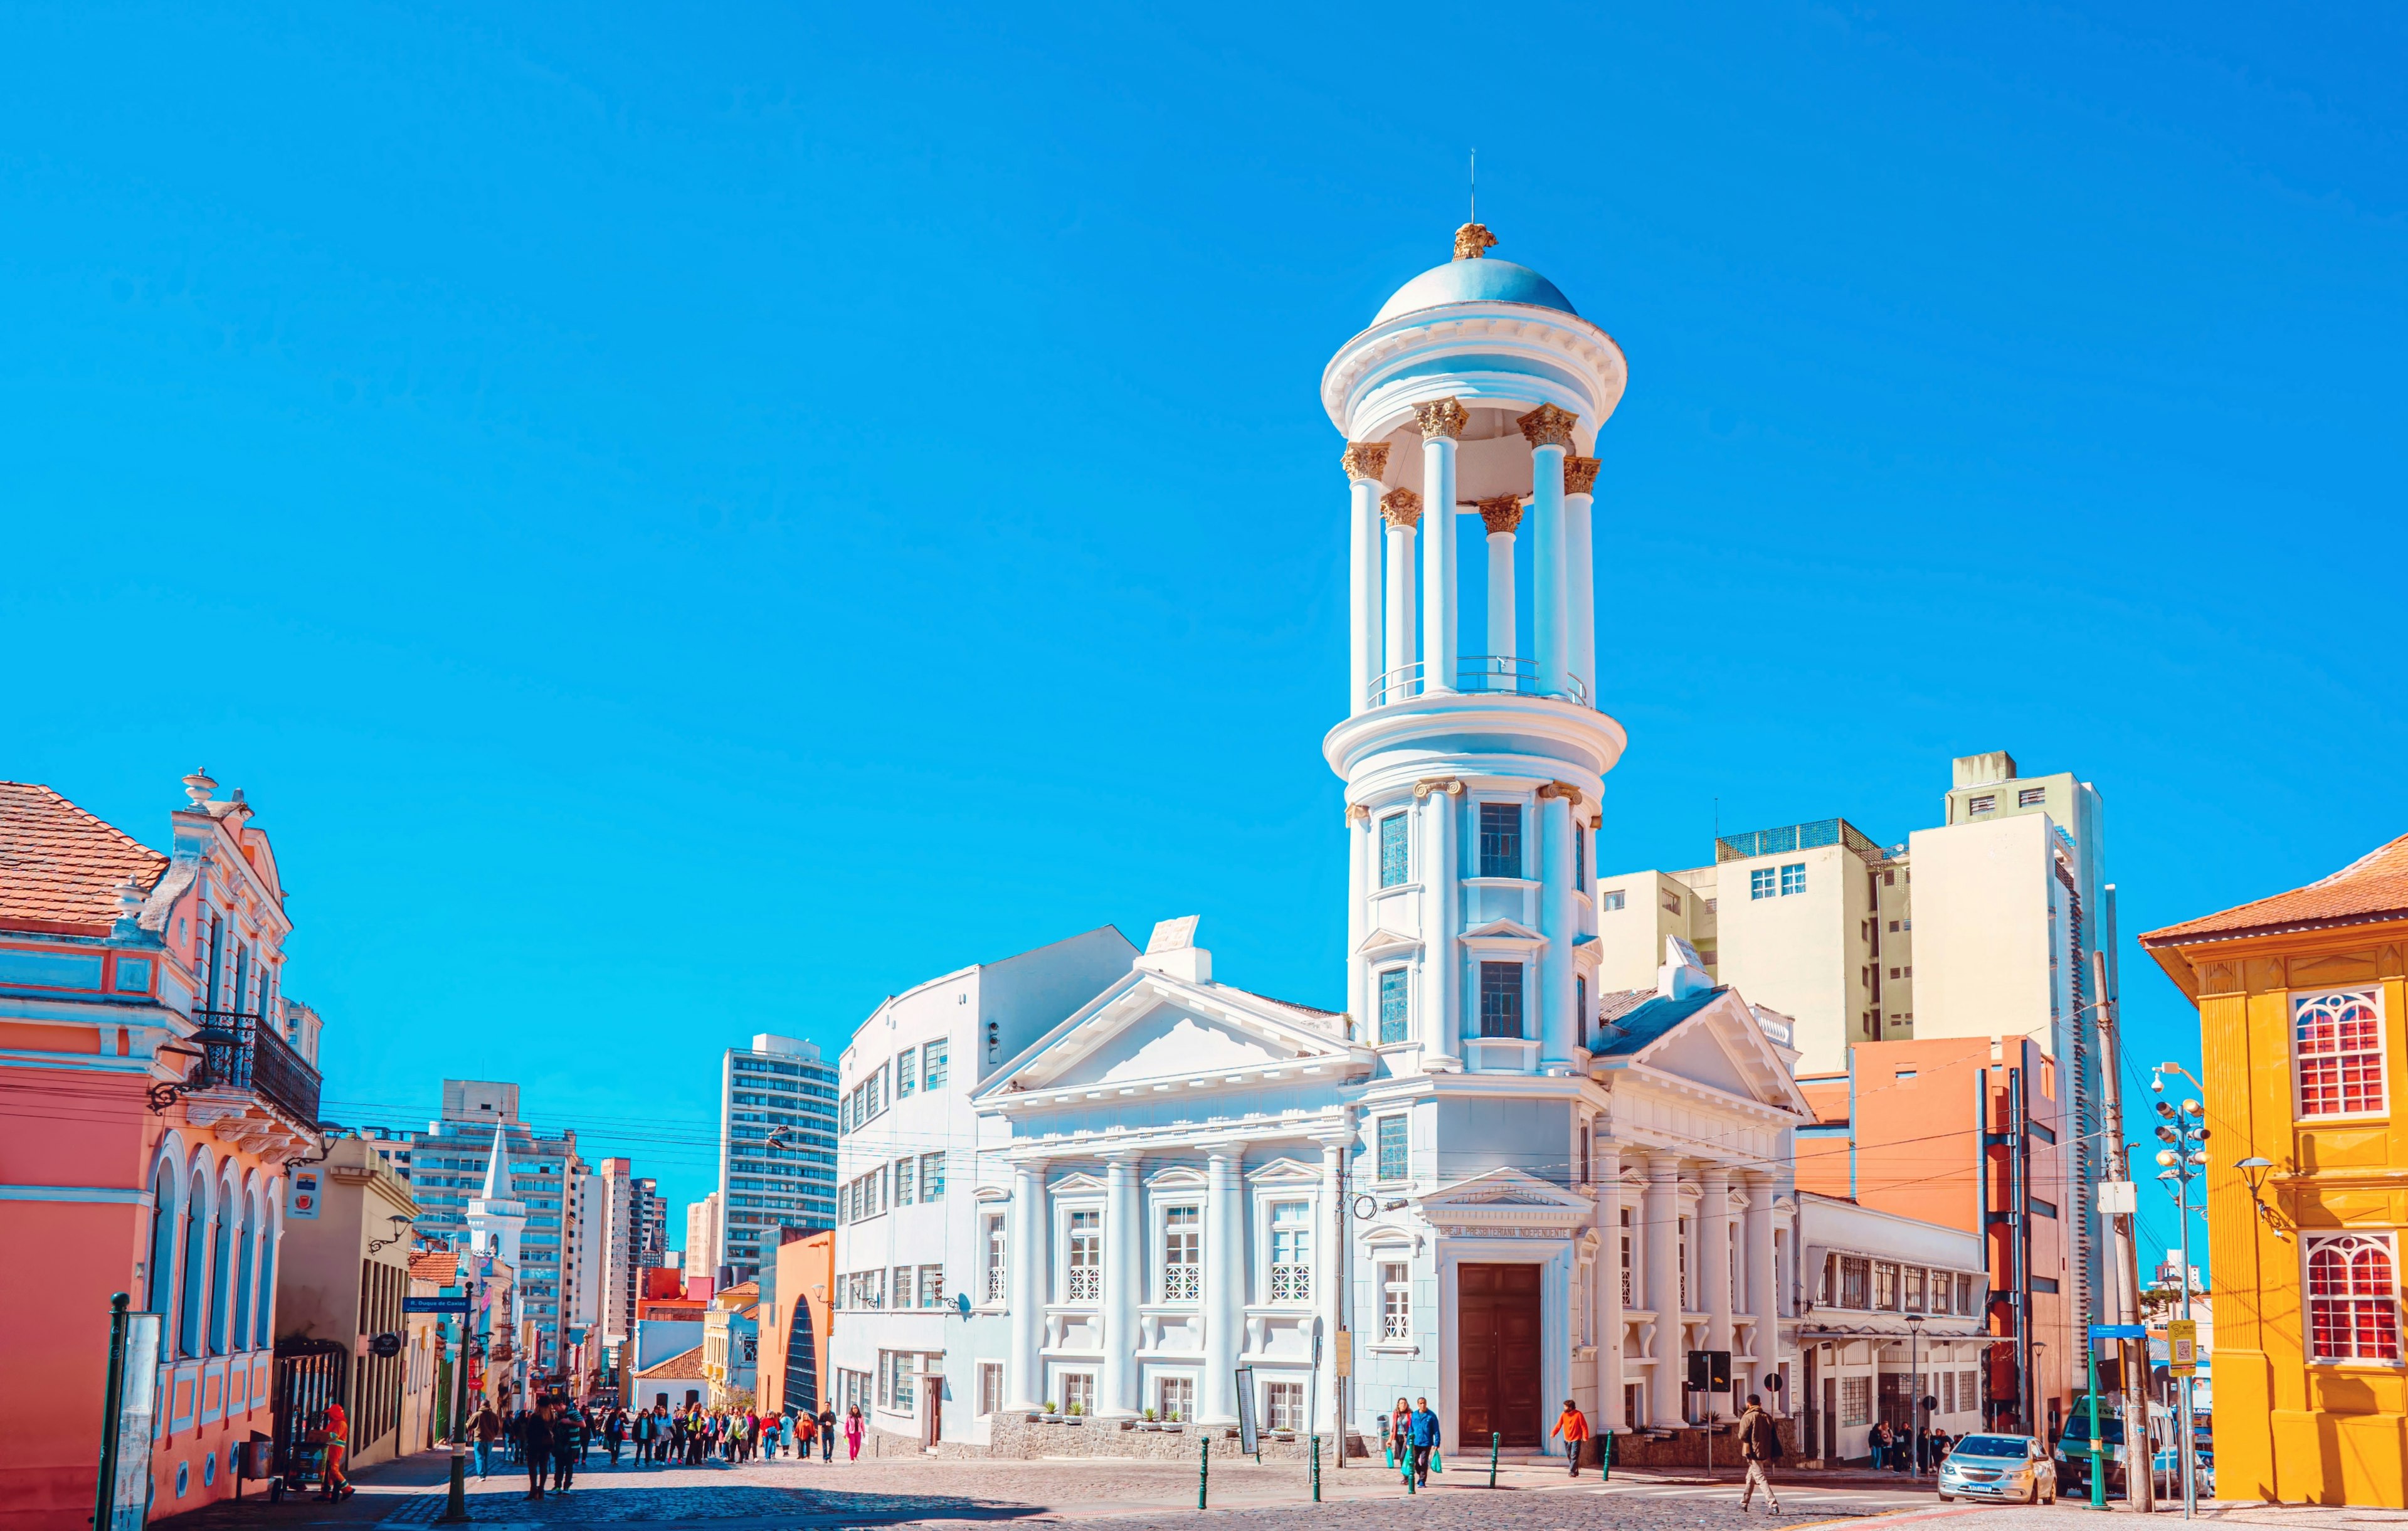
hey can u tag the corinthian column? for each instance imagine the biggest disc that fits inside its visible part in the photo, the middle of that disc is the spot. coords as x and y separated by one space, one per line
1029 1271
1580 568
1224 1287
1607 1160
1501 515
1548 431
1714 1261
1364 460
1442 421
1401 509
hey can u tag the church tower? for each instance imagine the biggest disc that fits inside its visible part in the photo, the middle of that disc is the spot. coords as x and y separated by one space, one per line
1473 752
495 1217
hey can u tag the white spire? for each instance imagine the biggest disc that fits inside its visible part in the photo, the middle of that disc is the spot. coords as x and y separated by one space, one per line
496 1185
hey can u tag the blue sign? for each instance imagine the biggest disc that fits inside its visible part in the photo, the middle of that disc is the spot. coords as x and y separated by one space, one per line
435 1304
2119 1331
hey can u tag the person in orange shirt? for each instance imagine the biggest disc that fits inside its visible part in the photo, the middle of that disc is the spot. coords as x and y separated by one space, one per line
339 1434
1573 1426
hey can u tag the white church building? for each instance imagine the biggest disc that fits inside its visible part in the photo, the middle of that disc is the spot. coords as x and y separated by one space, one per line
1482 1183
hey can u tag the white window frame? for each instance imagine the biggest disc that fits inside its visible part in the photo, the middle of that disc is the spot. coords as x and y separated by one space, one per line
1185 1382
1064 1224
1273 1202
1283 1395
1763 882
1793 884
1170 1292
990 1387
1087 1385
1396 1294
2374 994
1612 900
2383 1239
994 1258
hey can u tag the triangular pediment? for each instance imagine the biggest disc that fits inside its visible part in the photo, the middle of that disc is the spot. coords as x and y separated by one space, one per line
1505 1190
1285 1172
1709 1040
1512 930
1384 942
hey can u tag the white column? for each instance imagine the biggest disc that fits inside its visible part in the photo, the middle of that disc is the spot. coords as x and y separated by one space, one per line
1606 1160
1022 1380
1224 1287
1442 971
1364 460
1124 1268
1714 1262
1401 509
1660 1244
1362 845
1502 516
1762 1286
1332 1272
1558 1030
1579 569
1442 421
1548 431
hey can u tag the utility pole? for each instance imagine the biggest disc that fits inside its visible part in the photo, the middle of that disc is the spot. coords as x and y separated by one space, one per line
2139 1458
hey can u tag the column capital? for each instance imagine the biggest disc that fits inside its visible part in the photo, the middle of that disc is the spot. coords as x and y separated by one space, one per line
1564 790
1365 460
1548 426
1445 416
1402 507
1502 512
1713 1174
1358 813
1123 1157
1580 475
1452 786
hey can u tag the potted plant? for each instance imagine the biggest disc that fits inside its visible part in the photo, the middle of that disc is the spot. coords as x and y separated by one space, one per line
1047 1411
1076 1410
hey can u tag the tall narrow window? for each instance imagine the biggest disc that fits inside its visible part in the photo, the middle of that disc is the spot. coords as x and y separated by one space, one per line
1683 1233
1086 1257
1580 857
906 1072
263 1311
1500 839
242 1278
2353 1298
1395 990
932 1175
1291 1251
189 1338
1501 999
1629 1269
903 1178
1396 864
1395 1300
2339 1051
1395 1151
1580 1006
995 1254
1183 1254
932 1067
159 1275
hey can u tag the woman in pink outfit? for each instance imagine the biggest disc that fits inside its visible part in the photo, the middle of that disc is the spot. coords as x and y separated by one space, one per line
852 1433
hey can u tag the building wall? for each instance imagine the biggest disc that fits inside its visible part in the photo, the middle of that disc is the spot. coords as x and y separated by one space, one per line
332 1286
804 1282
1806 955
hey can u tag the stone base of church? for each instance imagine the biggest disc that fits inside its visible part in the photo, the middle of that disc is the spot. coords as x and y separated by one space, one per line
1018 1437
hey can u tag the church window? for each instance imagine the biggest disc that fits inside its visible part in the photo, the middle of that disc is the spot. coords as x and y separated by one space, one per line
1760 883
1395 858
1394 994
1500 839
1501 999
1395 1150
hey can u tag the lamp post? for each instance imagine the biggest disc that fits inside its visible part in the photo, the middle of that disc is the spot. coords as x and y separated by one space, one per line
2182 1160
1915 1391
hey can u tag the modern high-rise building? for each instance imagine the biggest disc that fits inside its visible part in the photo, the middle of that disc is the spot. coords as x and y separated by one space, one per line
702 1238
777 1151
632 1239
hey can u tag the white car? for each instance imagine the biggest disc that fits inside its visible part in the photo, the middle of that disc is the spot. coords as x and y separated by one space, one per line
2011 1468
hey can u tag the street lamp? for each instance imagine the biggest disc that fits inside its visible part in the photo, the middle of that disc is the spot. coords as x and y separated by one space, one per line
2184 1160
1915 1391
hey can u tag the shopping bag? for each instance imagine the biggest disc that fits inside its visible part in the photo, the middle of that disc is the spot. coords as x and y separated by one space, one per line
1438 1463
1388 1452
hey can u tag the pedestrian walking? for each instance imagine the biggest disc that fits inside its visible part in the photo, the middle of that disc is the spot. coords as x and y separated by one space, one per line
1424 1434
1573 1426
487 1428
535 1439
852 1433
827 1432
568 1448
339 1432
615 1435
1400 1430
1759 1447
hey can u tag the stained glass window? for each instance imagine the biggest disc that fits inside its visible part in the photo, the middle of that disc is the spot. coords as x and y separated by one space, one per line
1393 1003
1394 860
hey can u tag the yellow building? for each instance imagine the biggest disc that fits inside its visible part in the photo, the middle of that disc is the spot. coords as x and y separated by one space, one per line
2301 1002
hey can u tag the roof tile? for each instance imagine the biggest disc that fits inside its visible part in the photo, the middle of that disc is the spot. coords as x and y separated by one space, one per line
2373 887
61 868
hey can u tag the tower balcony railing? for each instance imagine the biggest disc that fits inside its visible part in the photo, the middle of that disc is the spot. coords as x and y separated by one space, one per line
1489 674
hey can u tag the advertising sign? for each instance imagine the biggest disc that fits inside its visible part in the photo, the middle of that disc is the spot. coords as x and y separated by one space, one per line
2181 1345
302 1194
1249 1436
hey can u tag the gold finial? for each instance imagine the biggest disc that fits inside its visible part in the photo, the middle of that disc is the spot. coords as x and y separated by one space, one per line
1471 241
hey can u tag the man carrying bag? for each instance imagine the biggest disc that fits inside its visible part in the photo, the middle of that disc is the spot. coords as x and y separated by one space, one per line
1759 1444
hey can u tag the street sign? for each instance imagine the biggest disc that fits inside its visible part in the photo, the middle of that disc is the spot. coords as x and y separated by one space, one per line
2119 1331
435 1304
2182 1342
1342 1354
302 1188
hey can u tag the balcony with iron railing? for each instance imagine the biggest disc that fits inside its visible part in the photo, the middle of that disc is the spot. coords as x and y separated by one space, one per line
241 1054
1480 675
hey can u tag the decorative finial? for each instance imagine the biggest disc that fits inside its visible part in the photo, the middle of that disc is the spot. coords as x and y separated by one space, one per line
1473 240
198 786
130 897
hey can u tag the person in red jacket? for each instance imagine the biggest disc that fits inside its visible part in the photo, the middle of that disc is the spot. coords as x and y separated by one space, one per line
1573 1426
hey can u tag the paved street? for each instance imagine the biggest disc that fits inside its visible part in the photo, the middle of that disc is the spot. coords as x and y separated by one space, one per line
1116 1495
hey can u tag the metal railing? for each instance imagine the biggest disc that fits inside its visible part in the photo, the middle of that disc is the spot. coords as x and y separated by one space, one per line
240 1052
1485 674
1788 838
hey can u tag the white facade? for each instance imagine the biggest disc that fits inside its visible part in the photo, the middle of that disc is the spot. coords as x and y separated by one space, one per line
917 1218
702 1239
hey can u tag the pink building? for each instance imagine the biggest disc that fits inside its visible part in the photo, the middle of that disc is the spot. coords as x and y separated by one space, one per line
150 1103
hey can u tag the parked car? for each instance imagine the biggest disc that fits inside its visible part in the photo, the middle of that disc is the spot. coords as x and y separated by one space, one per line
1990 1466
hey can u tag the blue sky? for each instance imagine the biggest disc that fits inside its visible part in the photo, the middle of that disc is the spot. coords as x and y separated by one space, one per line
685 526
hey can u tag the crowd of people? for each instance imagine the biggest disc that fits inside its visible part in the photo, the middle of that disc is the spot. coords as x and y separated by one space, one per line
1909 1451
552 1440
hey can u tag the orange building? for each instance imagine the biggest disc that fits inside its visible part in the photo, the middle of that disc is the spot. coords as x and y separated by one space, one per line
1926 1129
795 1324
150 1104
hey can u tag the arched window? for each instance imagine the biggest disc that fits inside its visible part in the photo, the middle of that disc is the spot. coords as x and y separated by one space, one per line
196 1252
242 1271
220 1266
2353 1299
263 1331
159 1285
802 1389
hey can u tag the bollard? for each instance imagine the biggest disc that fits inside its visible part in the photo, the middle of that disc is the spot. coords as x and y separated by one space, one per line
1493 1439
1316 1469
1605 1458
1203 1469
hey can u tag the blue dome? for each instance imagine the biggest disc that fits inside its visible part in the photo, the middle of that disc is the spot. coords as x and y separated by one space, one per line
1475 282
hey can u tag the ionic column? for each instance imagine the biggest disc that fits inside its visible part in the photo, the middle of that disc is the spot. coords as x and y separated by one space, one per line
1442 421
1714 1261
1224 1287
1442 919
1580 568
1364 462
1559 1029
1548 431
1124 1276
1361 846
1606 1162
1401 509
1660 1244
1330 1273
1501 515
1029 1269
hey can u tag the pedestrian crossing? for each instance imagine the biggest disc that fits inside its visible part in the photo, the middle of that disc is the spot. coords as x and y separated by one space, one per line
1791 1495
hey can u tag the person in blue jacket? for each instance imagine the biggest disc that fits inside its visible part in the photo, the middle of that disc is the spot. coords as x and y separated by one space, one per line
1423 1435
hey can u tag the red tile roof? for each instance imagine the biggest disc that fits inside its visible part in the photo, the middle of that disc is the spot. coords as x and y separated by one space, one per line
441 1267
2373 887
60 868
682 1367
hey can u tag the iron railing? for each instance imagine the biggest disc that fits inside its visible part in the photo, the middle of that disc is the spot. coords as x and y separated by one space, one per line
1788 838
239 1052
1478 673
